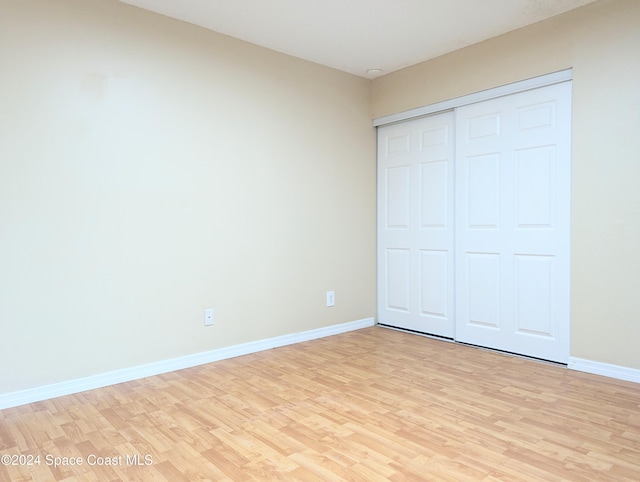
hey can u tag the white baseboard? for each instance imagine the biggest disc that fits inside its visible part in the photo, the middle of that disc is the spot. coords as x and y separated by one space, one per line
598 368
69 387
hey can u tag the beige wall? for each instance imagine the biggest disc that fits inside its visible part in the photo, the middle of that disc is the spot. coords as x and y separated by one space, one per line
150 169
601 42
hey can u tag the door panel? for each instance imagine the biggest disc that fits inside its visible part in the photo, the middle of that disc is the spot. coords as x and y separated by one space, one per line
398 187
534 295
398 280
483 193
483 289
512 222
434 280
434 208
535 187
415 225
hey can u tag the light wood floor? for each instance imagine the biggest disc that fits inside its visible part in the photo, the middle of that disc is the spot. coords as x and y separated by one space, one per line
374 404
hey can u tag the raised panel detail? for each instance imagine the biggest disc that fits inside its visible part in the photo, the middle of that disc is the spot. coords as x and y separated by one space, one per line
434 204
483 191
484 126
436 137
484 289
434 282
537 115
398 197
400 144
534 295
534 187
398 279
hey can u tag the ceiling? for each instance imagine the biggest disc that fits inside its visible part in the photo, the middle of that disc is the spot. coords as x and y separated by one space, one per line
357 36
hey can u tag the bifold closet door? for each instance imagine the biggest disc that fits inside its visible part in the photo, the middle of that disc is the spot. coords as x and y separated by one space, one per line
415 225
512 222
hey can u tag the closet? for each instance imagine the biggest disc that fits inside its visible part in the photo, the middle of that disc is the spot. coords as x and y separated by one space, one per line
474 222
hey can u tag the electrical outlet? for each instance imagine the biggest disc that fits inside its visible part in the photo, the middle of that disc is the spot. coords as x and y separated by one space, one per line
208 317
331 298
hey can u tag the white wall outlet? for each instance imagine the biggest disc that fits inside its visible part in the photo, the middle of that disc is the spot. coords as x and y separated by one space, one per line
208 317
331 298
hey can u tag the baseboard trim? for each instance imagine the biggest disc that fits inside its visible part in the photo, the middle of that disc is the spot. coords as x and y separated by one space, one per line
69 387
605 369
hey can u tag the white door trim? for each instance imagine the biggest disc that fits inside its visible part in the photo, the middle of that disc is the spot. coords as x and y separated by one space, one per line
541 81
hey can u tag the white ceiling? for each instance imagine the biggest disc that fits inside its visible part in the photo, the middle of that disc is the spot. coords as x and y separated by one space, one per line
358 35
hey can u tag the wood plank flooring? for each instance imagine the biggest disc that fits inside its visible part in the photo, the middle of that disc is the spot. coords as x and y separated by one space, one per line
374 404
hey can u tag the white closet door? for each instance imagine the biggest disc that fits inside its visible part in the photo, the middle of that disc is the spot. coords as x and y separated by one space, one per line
512 222
415 225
